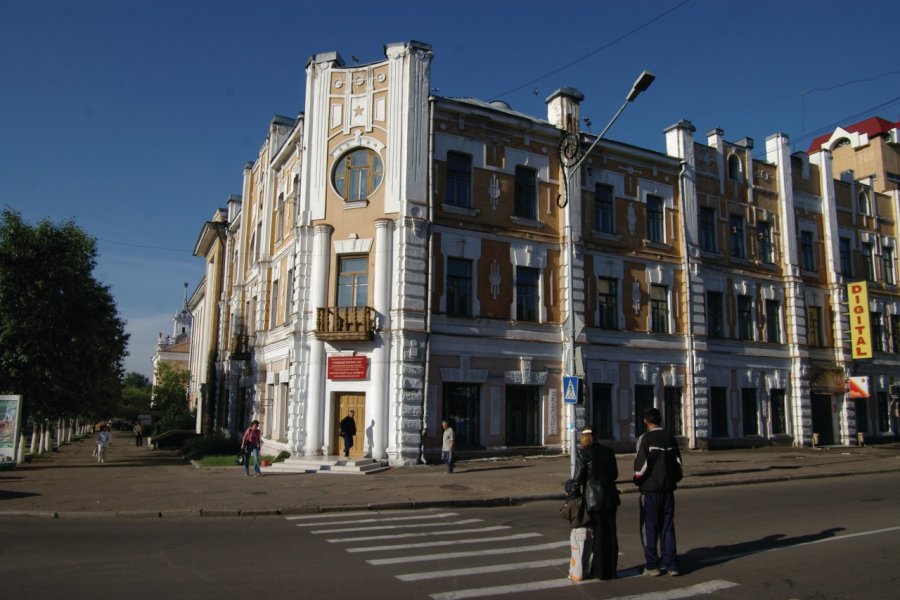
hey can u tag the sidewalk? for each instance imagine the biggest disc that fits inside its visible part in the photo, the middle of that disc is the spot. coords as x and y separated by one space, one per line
143 482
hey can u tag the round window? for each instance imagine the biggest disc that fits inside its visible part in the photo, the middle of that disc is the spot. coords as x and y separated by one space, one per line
357 174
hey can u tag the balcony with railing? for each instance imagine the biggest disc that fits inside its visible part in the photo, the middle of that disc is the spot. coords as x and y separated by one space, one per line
345 323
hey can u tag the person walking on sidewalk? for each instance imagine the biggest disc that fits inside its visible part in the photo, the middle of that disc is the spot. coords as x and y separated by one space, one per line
138 430
596 472
347 430
657 471
250 443
447 445
104 439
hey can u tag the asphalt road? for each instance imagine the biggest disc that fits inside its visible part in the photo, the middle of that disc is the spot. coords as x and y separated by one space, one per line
822 538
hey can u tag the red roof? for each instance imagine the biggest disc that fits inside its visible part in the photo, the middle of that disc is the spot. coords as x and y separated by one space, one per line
873 126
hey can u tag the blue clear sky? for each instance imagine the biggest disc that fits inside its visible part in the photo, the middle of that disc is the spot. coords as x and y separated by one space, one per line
135 117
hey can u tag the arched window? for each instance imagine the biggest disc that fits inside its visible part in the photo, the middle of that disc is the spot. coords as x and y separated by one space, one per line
862 202
357 174
734 168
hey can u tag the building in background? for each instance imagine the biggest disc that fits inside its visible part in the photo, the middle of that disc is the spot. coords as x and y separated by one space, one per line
174 349
415 258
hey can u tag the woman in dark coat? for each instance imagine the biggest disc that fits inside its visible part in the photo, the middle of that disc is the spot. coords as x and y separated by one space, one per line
596 472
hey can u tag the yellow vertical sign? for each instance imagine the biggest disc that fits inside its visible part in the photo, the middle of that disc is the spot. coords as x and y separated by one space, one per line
860 324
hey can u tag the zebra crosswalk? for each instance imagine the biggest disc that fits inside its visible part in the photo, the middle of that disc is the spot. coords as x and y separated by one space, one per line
441 551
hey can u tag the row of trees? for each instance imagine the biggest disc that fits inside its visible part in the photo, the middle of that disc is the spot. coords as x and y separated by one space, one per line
62 342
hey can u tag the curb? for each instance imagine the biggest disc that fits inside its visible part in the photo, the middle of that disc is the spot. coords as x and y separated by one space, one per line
412 504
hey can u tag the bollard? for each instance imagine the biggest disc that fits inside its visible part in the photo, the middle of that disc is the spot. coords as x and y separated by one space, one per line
860 439
815 440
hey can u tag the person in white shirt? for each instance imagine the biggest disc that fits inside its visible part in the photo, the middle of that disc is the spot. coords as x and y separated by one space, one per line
103 440
447 446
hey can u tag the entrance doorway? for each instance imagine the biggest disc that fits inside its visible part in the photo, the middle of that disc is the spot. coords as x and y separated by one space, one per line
821 419
523 415
343 404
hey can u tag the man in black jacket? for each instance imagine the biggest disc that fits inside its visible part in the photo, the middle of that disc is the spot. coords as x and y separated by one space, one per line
657 470
348 430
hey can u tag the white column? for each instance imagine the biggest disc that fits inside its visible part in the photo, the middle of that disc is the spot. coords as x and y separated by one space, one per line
377 409
316 401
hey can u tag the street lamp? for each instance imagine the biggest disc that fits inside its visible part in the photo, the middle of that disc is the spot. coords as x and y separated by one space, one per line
569 150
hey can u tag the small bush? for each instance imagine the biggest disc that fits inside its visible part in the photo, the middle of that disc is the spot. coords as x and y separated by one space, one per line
281 456
199 447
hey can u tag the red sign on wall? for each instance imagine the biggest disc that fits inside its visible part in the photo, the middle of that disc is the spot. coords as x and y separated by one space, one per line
347 367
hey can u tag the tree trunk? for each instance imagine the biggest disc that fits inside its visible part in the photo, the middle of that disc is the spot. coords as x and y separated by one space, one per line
34 435
20 453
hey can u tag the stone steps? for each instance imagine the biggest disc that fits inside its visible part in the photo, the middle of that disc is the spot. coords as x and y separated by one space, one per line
328 464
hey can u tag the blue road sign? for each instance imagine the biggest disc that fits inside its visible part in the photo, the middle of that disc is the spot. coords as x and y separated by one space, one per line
570 390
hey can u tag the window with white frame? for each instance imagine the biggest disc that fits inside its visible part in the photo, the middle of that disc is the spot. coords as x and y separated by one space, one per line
525 201
459 287
273 306
862 202
353 281
846 252
887 264
735 169
458 190
608 300
654 218
527 296
868 252
764 232
773 321
715 314
706 220
604 219
807 251
814 327
737 236
745 317
659 309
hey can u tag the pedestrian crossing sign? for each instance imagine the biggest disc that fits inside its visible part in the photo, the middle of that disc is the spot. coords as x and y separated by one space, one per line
570 390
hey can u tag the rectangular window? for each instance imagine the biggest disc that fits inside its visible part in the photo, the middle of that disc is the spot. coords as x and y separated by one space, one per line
672 420
526 193
273 306
459 287
895 334
604 221
773 321
745 318
764 231
608 301
462 408
289 296
601 410
279 217
659 308
654 218
815 338
887 264
846 257
877 332
737 236
459 180
884 425
718 412
749 411
707 224
778 411
862 416
526 294
643 399
807 251
869 261
715 314
353 281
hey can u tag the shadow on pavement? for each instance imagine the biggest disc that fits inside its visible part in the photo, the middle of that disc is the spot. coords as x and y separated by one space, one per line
697 558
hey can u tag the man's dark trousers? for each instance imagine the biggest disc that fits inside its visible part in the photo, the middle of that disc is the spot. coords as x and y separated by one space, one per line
658 523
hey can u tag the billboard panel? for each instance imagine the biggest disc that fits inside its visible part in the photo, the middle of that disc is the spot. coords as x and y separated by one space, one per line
860 323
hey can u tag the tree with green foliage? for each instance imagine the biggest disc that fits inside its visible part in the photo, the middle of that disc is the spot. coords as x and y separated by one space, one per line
170 397
136 394
62 342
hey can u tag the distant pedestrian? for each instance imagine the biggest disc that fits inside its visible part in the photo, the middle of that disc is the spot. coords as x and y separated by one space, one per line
657 471
104 440
596 472
250 443
138 430
575 512
347 429
448 444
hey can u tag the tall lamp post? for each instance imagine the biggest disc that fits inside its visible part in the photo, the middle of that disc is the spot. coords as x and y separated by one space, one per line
571 158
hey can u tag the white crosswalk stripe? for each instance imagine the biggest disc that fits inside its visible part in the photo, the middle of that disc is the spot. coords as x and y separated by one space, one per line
432 544
398 536
368 530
